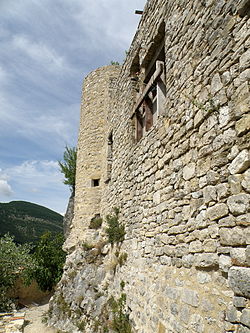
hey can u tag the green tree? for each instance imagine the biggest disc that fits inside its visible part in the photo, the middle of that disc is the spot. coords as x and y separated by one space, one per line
50 259
15 262
68 167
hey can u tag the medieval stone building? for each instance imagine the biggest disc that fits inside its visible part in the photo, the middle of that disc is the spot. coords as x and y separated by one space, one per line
165 139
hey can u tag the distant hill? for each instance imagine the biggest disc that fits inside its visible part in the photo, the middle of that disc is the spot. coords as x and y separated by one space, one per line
27 221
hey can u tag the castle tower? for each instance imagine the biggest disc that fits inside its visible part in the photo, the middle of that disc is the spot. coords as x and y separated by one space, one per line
92 154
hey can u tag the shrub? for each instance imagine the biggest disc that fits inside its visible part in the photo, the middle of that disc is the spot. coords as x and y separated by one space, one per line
115 231
120 322
95 223
50 259
15 262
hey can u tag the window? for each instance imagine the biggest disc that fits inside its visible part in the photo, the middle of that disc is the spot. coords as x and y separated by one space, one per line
95 182
109 156
150 100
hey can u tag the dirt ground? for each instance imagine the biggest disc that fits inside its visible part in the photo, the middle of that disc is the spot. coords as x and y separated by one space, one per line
34 317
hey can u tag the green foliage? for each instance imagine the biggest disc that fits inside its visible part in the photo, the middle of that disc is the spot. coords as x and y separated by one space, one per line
115 231
122 258
86 246
114 63
95 223
50 259
15 262
68 167
120 322
27 221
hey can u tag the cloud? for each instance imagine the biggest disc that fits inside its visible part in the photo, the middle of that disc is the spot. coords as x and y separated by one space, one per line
35 181
5 188
39 52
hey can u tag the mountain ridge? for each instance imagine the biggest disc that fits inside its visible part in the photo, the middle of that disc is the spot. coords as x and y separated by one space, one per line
27 221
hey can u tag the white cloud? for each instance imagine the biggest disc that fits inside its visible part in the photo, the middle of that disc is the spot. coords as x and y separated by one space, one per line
5 188
35 181
39 52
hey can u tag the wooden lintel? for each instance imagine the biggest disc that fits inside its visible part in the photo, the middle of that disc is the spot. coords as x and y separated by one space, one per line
152 80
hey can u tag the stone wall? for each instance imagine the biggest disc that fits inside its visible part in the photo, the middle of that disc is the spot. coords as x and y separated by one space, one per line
183 190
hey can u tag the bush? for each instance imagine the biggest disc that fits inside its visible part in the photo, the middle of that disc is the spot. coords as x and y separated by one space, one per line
115 230
15 262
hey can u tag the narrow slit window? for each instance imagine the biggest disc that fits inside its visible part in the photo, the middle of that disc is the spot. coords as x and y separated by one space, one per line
95 182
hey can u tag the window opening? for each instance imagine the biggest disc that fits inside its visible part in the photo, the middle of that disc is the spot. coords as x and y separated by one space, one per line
95 182
109 156
150 102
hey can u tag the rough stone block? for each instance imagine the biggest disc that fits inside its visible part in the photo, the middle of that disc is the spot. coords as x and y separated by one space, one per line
206 260
246 181
217 211
248 255
240 163
190 297
195 246
238 256
216 84
243 220
238 278
245 317
234 182
232 314
239 302
172 293
232 237
224 116
239 203
243 329
243 125
225 263
210 245
209 193
245 60
189 171
228 221
203 277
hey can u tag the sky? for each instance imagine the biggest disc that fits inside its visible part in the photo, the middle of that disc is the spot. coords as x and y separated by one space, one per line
47 47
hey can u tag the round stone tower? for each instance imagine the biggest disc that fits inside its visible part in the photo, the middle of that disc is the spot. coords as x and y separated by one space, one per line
92 154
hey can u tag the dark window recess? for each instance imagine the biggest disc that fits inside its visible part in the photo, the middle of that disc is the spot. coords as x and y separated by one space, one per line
95 182
244 8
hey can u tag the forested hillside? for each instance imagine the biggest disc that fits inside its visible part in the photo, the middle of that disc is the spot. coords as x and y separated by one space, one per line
27 221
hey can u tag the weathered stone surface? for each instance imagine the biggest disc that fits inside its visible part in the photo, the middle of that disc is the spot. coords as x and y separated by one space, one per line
206 260
232 314
235 236
238 204
240 163
225 263
195 246
209 193
245 60
246 181
217 211
243 125
190 297
239 278
238 256
216 84
189 171
239 302
245 317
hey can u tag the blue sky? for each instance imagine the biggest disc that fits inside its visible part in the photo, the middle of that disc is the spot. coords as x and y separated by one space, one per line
47 47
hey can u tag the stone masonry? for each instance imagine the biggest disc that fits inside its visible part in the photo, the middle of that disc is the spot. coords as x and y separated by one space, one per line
165 138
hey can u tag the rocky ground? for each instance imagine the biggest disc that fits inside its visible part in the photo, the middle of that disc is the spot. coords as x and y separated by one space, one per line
29 320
